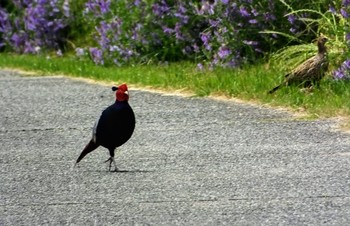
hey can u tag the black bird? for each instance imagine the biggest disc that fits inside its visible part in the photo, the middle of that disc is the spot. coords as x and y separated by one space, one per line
310 71
114 127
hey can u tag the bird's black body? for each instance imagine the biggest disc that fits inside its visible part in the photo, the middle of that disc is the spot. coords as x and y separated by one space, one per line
114 127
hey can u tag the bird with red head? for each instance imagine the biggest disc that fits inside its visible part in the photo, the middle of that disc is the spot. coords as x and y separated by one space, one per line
114 127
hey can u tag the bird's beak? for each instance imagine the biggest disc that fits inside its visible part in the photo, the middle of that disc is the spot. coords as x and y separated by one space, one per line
127 93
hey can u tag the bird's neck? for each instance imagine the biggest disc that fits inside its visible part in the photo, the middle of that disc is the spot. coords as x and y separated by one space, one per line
321 48
118 101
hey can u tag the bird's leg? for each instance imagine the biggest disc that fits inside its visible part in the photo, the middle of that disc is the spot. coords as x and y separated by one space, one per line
115 166
111 160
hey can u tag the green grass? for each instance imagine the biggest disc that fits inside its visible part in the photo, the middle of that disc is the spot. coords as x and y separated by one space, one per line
248 83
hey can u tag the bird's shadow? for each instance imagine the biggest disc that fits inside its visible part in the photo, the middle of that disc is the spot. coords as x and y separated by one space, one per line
130 171
120 171
75 167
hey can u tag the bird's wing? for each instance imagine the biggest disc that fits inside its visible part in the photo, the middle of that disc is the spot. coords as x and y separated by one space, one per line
305 65
300 69
303 70
94 129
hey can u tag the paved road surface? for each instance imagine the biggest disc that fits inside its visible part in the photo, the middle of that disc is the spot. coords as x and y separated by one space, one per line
191 161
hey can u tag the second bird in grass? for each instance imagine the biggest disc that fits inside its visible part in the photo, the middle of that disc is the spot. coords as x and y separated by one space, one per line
310 71
114 127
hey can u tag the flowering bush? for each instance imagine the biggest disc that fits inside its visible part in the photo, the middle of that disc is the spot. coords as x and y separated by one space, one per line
343 16
212 32
31 26
343 72
221 32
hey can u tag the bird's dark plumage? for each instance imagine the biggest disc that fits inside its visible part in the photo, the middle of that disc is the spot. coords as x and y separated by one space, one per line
114 127
310 71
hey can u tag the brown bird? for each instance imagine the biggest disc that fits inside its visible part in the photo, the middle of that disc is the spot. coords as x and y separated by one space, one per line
310 71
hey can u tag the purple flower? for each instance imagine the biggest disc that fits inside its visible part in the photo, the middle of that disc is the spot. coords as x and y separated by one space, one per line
5 25
17 40
128 53
253 21
255 12
346 2
97 6
208 47
200 66
224 52
160 9
292 18
225 2
157 10
178 33
167 30
96 55
346 64
182 9
275 36
214 23
343 72
205 38
104 6
114 48
206 8
244 12
347 36
184 18
269 16
233 63
195 48
181 13
344 13
79 52
338 74
137 2
28 47
38 23
135 31
332 10
66 9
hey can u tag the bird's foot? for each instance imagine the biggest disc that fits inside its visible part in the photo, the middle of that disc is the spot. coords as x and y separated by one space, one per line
307 90
111 160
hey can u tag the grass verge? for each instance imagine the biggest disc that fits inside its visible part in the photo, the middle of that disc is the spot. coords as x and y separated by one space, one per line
250 83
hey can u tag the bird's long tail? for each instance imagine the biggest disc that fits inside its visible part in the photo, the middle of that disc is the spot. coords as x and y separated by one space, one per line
89 148
274 89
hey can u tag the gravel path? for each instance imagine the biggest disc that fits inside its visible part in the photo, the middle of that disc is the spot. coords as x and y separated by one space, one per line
191 161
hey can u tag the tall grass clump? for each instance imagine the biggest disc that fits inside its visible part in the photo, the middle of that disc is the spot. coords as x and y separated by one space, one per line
334 23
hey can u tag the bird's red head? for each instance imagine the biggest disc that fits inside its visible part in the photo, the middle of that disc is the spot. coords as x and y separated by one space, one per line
122 92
